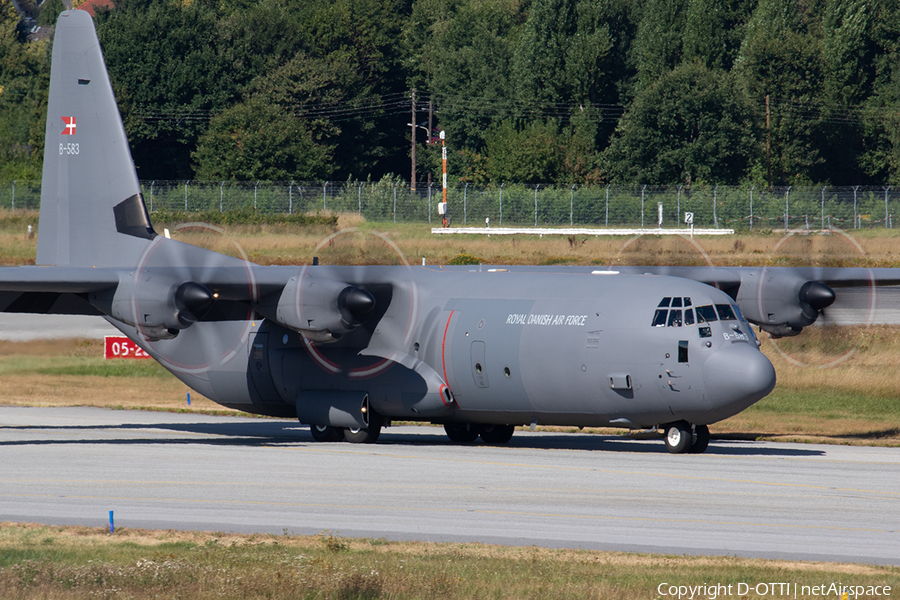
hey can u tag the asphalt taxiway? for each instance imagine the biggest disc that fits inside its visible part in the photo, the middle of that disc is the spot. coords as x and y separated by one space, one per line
198 472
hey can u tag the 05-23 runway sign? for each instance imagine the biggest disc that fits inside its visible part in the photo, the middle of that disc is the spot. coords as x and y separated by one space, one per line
122 347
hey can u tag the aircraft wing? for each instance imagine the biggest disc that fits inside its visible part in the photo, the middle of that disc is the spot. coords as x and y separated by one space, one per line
52 290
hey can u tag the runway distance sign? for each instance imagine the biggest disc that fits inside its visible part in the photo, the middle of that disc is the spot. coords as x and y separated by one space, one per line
122 347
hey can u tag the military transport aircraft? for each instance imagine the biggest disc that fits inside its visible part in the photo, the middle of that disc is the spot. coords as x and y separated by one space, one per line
348 349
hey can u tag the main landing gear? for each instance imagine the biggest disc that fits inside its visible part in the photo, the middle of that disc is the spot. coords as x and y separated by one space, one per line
354 435
490 434
681 437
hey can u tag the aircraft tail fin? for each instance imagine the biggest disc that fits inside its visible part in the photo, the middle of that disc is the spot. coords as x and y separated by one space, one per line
92 210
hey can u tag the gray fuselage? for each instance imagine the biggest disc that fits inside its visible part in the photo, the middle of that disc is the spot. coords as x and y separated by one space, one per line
490 347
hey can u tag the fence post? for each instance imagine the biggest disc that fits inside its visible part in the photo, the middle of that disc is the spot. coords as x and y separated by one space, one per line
291 198
185 194
787 207
607 204
752 187
221 195
678 209
359 198
324 195
151 195
429 202
256 187
886 206
465 204
14 194
823 206
395 202
642 206
535 203
715 202
854 207
572 207
501 203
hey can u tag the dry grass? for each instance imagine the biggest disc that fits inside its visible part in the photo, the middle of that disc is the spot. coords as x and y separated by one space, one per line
290 244
76 562
61 373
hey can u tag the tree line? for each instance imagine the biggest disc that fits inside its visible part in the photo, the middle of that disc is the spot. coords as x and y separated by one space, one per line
683 92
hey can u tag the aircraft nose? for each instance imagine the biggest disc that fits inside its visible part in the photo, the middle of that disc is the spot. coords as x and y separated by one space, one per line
736 376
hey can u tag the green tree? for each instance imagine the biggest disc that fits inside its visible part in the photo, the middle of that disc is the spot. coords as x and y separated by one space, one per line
781 57
658 40
170 72
257 140
50 10
24 77
461 51
532 154
688 126
572 57
860 50
713 31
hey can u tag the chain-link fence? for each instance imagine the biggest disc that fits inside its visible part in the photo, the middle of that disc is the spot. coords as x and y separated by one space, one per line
721 206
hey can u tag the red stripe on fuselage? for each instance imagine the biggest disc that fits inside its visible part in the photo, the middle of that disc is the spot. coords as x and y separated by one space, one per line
443 347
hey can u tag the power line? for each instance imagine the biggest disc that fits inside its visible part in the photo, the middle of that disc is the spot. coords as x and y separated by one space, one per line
393 104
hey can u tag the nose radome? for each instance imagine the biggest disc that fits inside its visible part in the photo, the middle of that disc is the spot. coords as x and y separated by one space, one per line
736 376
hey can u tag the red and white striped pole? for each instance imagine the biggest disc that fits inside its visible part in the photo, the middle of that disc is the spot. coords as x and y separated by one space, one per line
444 163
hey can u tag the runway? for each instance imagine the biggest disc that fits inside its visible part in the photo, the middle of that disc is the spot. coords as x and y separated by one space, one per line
191 471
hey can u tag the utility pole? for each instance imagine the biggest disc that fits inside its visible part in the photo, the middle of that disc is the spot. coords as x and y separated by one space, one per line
428 139
412 136
444 165
768 144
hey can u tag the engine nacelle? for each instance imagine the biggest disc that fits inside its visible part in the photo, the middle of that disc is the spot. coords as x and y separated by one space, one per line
323 310
159 309
782 303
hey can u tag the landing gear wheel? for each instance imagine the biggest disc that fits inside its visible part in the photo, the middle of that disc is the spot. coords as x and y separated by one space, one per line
461 433
701 439
679 437
496 434
369 435
326 433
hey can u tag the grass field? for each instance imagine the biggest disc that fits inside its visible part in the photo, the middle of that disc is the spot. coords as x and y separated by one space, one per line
80 563
366 244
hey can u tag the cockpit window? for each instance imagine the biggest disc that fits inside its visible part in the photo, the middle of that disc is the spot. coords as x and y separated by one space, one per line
725 312
659 319
663 317
706 314
674 318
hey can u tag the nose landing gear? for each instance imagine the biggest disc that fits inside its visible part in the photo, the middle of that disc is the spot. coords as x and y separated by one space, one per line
681 437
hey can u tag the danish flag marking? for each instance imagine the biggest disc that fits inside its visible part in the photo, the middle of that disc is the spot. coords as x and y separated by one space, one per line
70 125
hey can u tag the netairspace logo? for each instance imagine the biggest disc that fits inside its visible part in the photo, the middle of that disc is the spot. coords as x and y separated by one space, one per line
770 590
